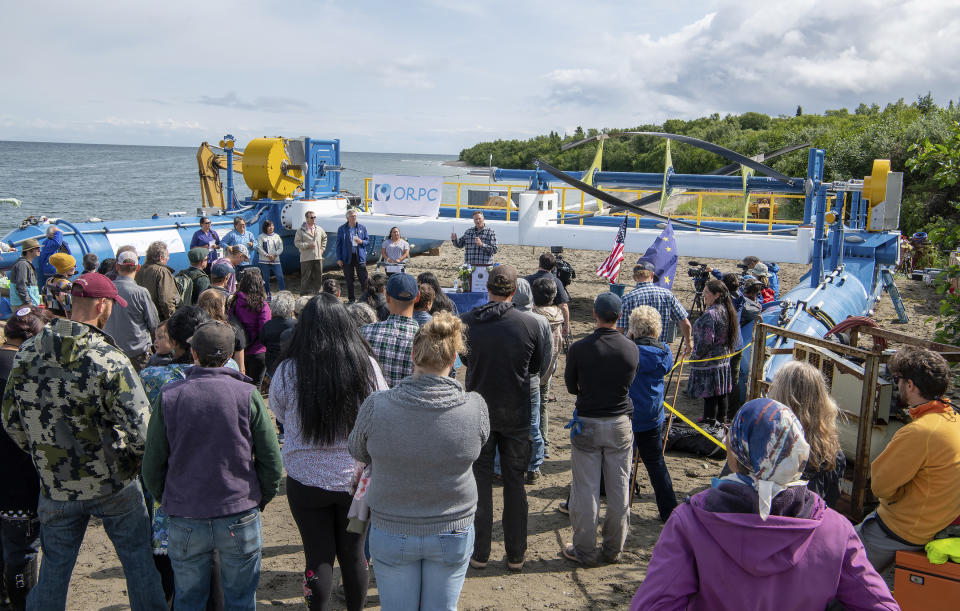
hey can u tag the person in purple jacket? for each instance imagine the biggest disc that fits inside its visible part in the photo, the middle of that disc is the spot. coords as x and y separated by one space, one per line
250 308
758 538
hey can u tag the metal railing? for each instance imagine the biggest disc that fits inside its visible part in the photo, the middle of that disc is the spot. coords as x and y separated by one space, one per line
577 209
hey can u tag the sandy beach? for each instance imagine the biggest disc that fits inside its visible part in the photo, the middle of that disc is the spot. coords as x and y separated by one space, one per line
548 580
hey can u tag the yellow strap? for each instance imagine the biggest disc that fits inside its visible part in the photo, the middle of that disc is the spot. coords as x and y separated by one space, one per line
697 428
687 420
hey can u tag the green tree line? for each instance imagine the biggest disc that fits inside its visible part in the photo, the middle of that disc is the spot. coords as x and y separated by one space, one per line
852 140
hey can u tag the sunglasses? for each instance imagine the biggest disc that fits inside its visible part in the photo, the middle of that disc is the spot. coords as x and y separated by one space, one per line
310 218
207 223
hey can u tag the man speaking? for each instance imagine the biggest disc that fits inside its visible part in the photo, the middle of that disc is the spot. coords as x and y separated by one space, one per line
480 242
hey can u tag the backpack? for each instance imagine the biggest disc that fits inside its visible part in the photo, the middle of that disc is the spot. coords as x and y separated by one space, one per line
684 438
184 287
564 271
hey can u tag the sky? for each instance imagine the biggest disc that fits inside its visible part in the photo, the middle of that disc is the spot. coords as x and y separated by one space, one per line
436 76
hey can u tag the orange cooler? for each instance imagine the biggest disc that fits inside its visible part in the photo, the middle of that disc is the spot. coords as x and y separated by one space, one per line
922 586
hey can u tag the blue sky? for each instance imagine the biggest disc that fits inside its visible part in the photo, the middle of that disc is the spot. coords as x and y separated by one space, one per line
434 76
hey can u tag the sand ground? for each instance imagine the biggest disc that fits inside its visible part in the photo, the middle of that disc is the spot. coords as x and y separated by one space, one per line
548 580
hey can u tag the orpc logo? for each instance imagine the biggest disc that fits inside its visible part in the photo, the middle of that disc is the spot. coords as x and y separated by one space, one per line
381 192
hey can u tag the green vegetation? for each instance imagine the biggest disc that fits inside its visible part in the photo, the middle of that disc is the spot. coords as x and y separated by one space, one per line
899 132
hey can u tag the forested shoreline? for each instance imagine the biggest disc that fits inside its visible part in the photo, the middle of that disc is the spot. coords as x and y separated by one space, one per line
921 131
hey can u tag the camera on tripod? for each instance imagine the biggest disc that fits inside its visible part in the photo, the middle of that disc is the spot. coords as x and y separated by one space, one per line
698 271
742 266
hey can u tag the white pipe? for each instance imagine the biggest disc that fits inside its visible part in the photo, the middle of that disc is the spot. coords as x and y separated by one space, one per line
537 227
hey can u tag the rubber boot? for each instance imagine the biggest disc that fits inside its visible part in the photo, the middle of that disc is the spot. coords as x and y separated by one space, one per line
19 581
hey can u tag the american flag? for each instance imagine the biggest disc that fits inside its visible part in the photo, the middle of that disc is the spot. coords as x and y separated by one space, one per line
611 267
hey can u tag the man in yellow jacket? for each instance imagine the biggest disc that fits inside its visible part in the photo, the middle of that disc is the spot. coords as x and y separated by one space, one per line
916 477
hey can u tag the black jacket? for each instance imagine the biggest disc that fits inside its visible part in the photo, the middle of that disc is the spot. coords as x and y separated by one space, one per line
20 484
600 370
504 347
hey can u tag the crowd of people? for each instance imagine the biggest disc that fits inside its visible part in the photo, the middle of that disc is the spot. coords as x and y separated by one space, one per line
135 402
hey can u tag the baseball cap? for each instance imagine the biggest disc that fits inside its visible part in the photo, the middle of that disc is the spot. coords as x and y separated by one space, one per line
502 280
63 263
760 270
29 244
608 303
96 286
242 249
644 264
221 270
213 338
128 258
198 254
402 287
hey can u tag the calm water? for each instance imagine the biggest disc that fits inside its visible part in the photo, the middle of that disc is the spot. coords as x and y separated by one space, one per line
79 181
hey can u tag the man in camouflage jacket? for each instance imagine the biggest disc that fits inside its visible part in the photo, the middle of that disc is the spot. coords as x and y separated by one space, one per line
75 404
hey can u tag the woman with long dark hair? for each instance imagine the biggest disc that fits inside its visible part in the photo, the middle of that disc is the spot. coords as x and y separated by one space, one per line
19 485
441 303
325 374
249 307
715 335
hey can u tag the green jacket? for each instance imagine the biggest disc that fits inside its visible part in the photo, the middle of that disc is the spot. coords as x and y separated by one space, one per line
198 279
75 404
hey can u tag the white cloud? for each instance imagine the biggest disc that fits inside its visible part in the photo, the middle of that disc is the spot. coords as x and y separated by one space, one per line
750 56
439 75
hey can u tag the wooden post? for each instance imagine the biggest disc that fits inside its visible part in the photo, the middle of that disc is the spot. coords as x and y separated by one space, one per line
861 469
758 353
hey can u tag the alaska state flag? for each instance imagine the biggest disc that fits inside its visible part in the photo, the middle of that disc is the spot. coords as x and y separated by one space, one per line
663 254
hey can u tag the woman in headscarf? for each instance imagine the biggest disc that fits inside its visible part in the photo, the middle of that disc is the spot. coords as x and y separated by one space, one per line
758 538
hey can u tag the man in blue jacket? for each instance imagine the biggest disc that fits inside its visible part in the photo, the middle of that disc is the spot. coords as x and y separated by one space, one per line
51 246
352 241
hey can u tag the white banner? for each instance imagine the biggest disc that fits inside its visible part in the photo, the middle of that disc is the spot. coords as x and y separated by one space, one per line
407 195
142 239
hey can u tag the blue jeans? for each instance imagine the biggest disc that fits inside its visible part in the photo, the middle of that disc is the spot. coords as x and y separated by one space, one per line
268 269
536 436
420 572
125 519
238 539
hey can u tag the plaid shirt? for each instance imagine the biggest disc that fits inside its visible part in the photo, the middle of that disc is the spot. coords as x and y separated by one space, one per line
478 255
661 299
392 344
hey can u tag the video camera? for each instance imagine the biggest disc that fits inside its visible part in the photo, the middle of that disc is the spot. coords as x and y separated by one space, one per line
698 271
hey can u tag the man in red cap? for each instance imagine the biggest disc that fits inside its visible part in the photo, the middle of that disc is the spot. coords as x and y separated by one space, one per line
75 404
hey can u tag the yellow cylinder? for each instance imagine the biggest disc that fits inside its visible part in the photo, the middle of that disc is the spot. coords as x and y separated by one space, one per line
264 160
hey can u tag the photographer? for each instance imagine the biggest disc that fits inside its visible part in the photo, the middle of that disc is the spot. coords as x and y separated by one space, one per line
748 264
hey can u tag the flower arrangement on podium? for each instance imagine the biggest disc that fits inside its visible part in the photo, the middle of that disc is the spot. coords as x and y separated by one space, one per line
465 278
